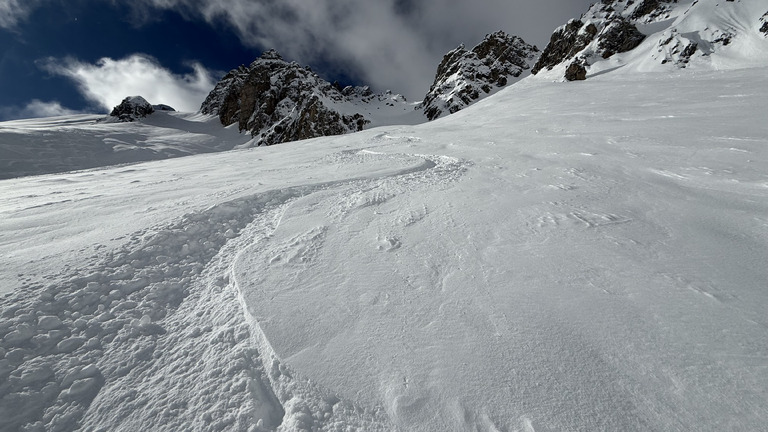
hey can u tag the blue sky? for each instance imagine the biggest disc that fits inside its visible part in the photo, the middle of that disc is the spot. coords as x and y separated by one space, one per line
60 56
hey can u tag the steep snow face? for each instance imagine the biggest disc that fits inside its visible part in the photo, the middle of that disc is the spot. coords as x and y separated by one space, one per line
556 257
277 102
464 77
654 35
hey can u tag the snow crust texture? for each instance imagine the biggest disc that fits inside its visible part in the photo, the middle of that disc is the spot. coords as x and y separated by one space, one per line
557 257
465 76
599 269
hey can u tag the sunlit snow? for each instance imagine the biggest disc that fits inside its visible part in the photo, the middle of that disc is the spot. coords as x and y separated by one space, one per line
584 256
553 258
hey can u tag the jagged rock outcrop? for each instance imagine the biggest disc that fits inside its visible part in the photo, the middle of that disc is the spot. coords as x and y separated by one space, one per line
277 102
565 43
576 72
131 109
649 9
764 20
465 76
619 36
602 32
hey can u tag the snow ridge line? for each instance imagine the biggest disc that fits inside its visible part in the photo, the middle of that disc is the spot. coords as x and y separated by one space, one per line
66 346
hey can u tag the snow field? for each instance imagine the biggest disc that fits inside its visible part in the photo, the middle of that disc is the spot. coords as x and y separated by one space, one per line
60 341
40 146
552 258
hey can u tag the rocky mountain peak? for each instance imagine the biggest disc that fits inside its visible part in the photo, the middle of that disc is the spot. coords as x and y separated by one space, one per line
465 76
277 101
131 109
271 54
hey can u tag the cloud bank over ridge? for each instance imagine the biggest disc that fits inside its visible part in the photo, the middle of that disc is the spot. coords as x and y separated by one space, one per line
108 81
393 44
388 44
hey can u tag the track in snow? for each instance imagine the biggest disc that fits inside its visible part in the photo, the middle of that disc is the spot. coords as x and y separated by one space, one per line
162 312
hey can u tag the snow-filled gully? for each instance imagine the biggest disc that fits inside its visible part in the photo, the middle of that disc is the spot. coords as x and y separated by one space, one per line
165 312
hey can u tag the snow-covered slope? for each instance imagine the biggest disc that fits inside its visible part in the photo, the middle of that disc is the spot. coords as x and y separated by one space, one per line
557 257
57 144
658 35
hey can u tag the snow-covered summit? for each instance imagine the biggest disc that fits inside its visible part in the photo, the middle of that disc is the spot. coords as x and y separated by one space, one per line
652 35
465 76
277 101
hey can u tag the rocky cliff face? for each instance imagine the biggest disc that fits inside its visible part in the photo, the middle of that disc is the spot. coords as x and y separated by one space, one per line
277 102
465 76
600 33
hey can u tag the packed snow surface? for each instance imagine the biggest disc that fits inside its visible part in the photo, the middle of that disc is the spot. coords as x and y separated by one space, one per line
560 257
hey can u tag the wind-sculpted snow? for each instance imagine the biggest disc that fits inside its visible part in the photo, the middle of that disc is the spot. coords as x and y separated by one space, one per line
555 257
87 351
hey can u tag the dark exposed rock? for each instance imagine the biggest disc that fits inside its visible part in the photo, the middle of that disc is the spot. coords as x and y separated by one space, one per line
278 102
620 36
576 71
650 8
764 28
565 43
689 50
131 109
617 36
464 76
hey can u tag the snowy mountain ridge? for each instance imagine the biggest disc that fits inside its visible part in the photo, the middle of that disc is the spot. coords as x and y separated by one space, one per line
277 101
654 35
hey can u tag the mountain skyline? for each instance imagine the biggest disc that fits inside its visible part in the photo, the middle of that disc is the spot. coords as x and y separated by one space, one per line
85 56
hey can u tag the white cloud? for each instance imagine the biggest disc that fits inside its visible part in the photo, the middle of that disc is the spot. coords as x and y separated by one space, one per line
14 11
35 108
38 108
109 81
